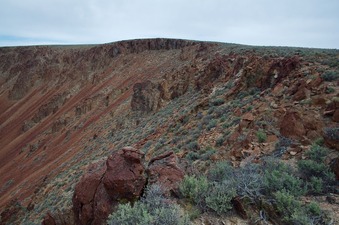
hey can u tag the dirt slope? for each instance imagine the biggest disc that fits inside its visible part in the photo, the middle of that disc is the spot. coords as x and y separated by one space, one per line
62 107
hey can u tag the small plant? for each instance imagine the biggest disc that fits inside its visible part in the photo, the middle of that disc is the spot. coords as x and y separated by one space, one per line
212 124
153 209
310 168
261 136
192 156
317 153
221 171
219 142
293 212
219 197
193 146
332 133
279 176
330 76
194 188
218 101
281 146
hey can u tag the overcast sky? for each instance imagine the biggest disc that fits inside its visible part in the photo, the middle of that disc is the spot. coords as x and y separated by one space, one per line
303 23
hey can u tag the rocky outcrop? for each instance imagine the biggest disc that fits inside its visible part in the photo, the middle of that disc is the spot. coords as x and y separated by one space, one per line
146 97
121 178
125 175
291 125
164 171
137 46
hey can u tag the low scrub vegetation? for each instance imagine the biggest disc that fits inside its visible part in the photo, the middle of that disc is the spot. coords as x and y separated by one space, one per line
273 182
152 209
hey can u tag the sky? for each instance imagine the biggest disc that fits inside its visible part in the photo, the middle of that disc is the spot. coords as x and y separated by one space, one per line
298 23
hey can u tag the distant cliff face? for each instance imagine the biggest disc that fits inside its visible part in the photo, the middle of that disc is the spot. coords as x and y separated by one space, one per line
62 107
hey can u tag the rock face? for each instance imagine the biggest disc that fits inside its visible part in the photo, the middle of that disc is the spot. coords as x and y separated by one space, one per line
122 177
291 125
164 171
146 96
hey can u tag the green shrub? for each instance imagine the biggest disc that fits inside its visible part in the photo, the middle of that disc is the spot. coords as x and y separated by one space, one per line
279 176
212 124
128 215
330 76
218 101
207 154
221 171
293 212
219 142
194 188
332 133
315 185
193 145
153 209
310 168
192 156
286 203
261 136
281 146
219 197
317 153
249 180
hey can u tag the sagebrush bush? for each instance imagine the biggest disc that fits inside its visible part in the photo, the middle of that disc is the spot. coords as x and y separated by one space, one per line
317 153
294 212
332 133
330 76
152 209
128 215
279 176
221 171
249 180
219 197
311 168
261 135
194 188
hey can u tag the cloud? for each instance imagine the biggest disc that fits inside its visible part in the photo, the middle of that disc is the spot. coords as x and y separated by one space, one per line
305 23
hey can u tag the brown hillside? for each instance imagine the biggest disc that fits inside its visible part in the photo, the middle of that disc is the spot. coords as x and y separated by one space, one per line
63 107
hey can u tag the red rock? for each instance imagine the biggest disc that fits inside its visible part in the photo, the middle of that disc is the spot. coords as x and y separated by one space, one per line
164 171
99 190
291 125
301 94
272 138
124 178
315 82
146 97
248 116
58 218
